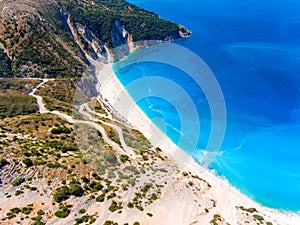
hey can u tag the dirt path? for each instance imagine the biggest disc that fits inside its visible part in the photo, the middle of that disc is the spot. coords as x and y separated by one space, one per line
91 121
87 111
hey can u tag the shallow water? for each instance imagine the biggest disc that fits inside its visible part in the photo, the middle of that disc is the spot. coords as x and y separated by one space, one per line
252 47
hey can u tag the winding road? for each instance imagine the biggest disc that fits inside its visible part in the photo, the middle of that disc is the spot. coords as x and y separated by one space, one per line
86 111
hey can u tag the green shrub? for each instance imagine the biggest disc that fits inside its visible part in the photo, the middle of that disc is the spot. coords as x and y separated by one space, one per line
110 188
27 162
250 210
130 205
15 210
154 197
114 206
139 208
114 136
65 192
76 190
258 217
3 162
38 223
61 194
81 211
39 161
95 186
53 165
35 152
96 176
10 215
60 130
63 212
145 158
65 149
18 181
124 158
18 192
40 212
108 222
83 219
146 187
37 218
85 180
100 198
112 195
185 174
26 210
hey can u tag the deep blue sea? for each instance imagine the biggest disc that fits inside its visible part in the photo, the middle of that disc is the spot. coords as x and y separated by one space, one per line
253 49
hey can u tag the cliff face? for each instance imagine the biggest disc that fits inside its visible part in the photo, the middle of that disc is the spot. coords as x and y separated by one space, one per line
91 47
121 37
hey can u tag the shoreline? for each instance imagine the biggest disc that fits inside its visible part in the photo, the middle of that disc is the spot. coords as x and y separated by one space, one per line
227 197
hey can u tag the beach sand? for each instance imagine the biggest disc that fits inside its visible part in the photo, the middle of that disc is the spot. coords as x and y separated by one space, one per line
226 197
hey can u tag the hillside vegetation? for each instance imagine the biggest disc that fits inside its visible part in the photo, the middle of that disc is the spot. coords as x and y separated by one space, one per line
38 41
5 65
14 99
142 24
16 104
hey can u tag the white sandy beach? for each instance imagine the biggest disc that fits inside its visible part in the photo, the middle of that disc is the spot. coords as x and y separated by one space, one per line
227 197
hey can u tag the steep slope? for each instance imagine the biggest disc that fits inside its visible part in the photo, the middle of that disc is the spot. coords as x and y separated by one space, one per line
43 38
5 65
37 41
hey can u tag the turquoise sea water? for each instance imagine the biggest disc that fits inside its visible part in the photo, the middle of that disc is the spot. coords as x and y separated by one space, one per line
253 48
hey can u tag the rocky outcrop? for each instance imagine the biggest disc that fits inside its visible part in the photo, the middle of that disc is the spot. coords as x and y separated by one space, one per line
184 32
122 41
95 47
121 37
